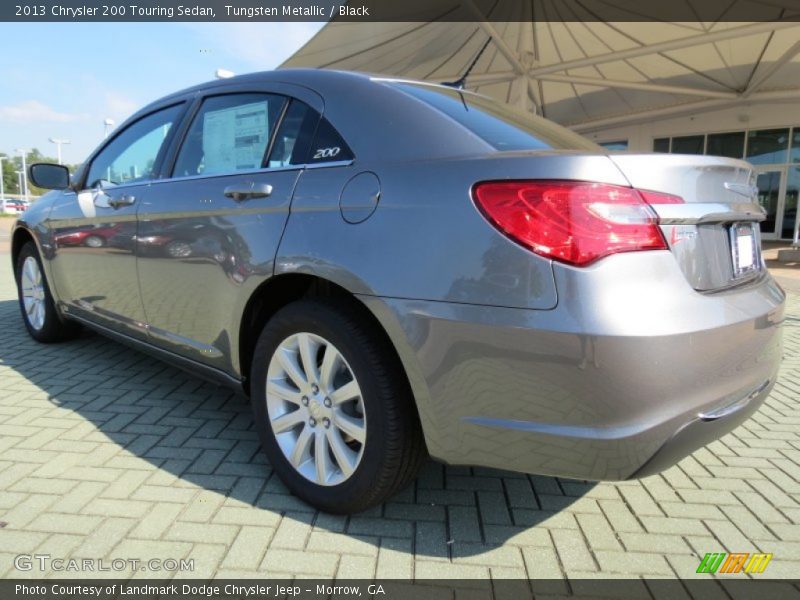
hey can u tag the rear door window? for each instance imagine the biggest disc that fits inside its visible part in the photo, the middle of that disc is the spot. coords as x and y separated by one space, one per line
229 133
295 134
498 125
306 137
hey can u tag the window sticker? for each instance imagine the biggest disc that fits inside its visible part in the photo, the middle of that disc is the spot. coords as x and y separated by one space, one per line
234 138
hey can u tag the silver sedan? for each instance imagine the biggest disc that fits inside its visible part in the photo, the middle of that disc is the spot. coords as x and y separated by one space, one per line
392 269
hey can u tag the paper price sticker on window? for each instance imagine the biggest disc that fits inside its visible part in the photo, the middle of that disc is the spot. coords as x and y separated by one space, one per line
234 139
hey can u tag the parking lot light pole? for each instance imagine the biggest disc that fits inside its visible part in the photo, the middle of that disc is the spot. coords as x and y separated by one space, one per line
22 153
108 123
59 142
2 187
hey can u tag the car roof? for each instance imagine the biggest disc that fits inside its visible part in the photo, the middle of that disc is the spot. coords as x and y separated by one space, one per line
306 77
358 105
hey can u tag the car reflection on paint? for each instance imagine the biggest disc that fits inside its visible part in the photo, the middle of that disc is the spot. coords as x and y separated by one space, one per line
192 238
95 237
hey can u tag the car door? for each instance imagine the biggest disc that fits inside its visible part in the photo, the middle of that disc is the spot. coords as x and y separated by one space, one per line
94 230
208 234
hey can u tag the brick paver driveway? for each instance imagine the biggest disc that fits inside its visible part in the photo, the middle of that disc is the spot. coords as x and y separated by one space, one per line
107 453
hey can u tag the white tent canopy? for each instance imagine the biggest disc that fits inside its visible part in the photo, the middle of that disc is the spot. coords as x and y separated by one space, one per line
587 75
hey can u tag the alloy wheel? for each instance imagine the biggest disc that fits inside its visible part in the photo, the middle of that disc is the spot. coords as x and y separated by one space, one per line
33 296
315 409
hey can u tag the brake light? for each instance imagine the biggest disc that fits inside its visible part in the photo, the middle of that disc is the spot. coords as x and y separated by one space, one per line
576 222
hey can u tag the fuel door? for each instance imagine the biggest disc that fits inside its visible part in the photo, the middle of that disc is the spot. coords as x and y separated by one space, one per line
360 197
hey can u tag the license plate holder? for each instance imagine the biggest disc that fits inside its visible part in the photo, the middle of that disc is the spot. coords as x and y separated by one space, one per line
745 249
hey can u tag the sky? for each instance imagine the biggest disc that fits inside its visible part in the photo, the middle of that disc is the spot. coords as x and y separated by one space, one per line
62 80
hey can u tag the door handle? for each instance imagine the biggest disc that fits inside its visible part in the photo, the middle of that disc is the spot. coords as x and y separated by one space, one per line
103 200
245 191
120 201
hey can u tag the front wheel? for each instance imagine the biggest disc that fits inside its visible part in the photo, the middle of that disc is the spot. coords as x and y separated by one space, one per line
39 313
333 408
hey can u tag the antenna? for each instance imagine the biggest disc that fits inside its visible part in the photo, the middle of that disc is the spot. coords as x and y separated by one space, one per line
459 83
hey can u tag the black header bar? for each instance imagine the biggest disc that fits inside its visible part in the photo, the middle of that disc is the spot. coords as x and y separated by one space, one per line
705 11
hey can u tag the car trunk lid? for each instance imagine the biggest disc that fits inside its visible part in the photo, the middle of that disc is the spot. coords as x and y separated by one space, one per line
714 232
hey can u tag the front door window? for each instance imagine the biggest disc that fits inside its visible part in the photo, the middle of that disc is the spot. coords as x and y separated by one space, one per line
132 155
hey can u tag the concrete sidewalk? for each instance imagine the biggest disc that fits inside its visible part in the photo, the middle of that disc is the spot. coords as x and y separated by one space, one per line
107 453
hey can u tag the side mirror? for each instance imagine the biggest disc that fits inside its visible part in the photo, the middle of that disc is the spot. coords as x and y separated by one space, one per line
49 176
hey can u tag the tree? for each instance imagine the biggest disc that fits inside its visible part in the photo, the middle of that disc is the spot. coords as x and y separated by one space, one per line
10 185
35 156
13 163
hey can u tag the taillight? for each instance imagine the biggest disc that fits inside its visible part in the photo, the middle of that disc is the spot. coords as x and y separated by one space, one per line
576 222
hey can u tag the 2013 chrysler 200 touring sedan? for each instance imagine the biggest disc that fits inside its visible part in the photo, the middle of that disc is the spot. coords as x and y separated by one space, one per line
394 268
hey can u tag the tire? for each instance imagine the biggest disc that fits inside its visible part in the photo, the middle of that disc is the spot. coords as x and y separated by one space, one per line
39 313
380 411
94 241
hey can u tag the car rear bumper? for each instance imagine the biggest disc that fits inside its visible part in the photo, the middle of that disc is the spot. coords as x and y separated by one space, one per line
589 389
704 428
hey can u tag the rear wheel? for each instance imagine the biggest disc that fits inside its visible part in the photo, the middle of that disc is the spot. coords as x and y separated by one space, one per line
333 408
39 313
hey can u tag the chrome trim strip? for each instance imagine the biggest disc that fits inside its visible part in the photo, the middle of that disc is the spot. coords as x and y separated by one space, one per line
707 212
265 171
325 165
227 174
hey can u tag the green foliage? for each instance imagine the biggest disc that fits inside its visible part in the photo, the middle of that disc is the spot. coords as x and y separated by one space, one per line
10 185
13 163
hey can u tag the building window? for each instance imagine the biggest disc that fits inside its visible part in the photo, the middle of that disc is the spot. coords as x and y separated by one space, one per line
763 147
617 145
776 150
768 146
726 144
688 144
795 157
661 145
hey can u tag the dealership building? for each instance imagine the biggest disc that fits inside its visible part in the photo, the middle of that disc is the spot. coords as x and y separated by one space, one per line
723 88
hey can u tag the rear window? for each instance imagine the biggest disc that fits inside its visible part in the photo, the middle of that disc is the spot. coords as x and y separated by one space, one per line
498 125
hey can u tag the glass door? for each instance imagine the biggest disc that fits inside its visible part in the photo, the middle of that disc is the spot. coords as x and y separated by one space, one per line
790 195
771 182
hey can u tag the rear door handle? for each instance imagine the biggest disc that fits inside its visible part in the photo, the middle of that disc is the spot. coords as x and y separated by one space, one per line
246 191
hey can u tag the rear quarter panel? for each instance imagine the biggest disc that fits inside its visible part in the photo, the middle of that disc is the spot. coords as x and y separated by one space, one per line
426 240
